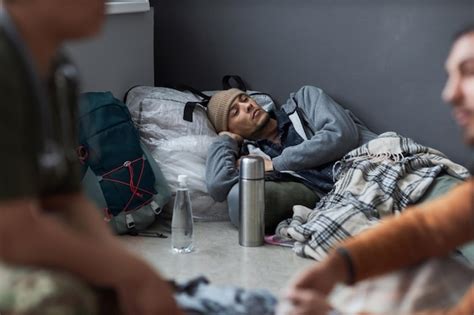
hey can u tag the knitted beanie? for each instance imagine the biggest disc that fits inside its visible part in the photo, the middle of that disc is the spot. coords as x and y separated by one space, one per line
218 108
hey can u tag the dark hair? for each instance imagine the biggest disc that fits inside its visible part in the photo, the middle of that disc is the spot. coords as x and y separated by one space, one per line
464 31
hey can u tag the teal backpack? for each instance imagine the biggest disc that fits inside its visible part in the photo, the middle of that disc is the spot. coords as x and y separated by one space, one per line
118 172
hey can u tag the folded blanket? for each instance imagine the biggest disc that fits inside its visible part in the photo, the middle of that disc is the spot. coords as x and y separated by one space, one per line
378 179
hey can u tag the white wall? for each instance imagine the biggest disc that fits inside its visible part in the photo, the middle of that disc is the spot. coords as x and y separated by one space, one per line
120 57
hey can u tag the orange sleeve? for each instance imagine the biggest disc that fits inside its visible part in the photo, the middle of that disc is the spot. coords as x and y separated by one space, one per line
428 230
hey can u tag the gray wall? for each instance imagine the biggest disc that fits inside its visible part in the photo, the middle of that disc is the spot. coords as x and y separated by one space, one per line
120 57
382 59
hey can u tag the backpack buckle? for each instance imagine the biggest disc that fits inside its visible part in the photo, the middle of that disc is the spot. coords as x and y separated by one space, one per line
155 207
129 221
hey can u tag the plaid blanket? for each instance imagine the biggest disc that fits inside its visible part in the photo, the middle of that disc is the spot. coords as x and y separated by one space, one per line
375 180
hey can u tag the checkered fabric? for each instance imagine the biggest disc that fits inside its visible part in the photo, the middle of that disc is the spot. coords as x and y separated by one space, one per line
378 179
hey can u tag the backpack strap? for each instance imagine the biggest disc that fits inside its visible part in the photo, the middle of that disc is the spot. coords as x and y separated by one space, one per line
132 230
125 96
190 106
189 109
184 87
226 84
134 186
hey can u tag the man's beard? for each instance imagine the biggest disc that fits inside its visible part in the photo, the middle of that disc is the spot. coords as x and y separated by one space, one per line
258 132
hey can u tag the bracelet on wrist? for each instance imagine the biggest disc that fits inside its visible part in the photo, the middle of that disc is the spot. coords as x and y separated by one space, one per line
346 256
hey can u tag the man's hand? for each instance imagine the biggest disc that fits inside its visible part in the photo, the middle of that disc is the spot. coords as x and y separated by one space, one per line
268 165
234 136
144 292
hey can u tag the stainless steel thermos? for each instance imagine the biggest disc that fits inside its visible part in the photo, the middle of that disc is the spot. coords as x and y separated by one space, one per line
251 201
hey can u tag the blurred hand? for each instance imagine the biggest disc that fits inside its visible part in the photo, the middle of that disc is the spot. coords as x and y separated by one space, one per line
234 136
144 292
308 302
314 283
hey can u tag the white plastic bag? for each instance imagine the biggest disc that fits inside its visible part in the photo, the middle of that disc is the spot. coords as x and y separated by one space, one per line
179 146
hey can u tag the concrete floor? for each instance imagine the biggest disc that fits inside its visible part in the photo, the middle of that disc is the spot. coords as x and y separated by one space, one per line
220 258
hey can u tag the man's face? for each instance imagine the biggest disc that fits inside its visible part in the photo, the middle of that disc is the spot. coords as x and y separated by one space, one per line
459 89
68 19
246 118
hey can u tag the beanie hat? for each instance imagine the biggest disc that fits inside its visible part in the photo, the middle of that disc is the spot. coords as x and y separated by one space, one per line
218 108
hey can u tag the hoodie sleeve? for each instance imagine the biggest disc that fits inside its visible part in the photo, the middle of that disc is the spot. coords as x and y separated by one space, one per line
335 132
221 170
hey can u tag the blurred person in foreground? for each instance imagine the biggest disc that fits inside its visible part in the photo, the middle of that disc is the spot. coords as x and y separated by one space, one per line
57 255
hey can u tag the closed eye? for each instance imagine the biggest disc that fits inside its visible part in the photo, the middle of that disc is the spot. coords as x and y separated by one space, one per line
233 111
243 98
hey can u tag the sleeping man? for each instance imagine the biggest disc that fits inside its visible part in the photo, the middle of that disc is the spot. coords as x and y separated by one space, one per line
306 136
319 155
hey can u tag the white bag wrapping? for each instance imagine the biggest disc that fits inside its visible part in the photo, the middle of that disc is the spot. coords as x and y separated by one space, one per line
187 155
179 146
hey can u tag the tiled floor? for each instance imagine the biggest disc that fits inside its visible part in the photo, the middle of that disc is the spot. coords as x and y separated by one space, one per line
220 258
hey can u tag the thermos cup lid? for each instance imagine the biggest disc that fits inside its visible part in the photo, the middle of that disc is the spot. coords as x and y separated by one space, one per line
252 167
182 179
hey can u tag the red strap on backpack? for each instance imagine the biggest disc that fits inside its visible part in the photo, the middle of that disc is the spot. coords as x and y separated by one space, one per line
135 189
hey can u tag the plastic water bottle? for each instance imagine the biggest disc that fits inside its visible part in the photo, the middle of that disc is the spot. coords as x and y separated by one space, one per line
182 221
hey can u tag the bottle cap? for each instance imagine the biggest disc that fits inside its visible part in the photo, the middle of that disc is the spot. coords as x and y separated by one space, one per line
182 179
252 167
